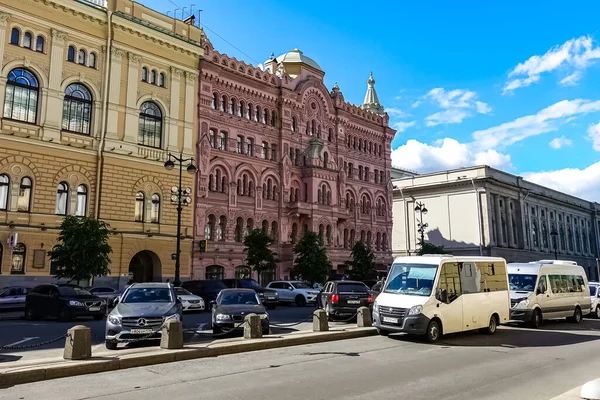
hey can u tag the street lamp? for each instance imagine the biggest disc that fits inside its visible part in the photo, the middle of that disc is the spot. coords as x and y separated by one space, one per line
180 197
421 209
554 234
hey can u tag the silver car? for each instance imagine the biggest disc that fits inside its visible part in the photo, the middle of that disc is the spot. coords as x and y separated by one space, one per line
13 298
141 312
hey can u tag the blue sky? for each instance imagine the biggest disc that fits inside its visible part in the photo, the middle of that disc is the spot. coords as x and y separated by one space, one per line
512 84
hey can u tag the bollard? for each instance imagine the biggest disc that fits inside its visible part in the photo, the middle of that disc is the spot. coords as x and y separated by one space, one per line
78 345
363 319
172 335
252 327
320 322
591 390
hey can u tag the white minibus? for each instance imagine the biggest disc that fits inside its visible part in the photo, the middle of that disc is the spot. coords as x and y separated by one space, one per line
441 294
548 289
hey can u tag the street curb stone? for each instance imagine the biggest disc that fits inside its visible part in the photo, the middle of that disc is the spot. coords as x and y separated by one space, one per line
68 368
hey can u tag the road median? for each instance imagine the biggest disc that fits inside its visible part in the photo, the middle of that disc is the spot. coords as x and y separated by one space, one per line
27 372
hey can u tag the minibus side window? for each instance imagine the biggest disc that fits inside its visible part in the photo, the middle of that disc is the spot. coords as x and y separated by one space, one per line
492 277
542 285
449 287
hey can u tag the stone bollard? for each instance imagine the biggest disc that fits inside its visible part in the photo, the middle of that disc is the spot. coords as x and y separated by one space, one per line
363 319
78 345
252 327
172 335
320 323
591 390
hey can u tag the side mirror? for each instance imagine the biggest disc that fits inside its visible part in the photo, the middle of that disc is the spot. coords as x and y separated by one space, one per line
539 291
291 289
116 300
213 303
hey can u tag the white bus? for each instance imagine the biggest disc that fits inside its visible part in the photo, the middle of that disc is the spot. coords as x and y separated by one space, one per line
548 289
441 294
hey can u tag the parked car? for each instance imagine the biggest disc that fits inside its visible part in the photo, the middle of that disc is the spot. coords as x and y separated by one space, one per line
344 298
64 302
107 293
376 289
141 312
268 297
190 302
13 298
294 292
595 296
233 305
207 289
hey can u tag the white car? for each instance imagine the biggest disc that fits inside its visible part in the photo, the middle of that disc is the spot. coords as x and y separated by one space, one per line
595 295
294 292
190 301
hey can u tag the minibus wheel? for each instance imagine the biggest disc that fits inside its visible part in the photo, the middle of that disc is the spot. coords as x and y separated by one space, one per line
577 315
536 319
492 326
434 331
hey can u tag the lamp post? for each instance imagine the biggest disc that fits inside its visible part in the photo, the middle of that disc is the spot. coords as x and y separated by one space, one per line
180 197
554 234
421 209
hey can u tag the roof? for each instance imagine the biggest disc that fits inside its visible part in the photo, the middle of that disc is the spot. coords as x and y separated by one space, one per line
435 259
371 102
238 290
151 285
296 56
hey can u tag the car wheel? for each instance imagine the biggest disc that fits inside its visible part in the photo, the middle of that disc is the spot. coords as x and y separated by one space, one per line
98 317
216 330
64 315
111 344
577 316
492 326
300 301
30 314
382 332
536 319
434 332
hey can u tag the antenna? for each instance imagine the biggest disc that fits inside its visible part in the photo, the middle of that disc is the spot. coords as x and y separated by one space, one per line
175 13
183 12
192 9
199 24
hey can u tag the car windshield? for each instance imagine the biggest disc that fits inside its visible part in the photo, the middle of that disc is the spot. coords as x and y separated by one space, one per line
182 292
411 279
148 295
593 290
73 291
522 283
250 284
300 285
231 298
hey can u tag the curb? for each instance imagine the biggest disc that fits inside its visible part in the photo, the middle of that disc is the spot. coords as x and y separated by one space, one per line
105 364
11 317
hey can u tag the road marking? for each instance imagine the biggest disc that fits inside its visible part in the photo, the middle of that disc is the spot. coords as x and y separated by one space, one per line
27 339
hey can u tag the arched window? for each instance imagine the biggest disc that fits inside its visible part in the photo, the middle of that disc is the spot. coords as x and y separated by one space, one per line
377 241
274 232
24 200
81 57
241 111
328 235
265 227
232 106
250 111
239 230
535 234
21 99
150 125
215 101
362 236
39 44
161 80
15 35
249 226
140 205
384 242
294 124
352 237
325 160
329 134
71 54
4 191
144 74
222 140
27 40
82 199
273 118
243 272
77 109
210 227
155 208
321 232
266 117
17 265
223 104
215 272
220 234
92 60
345 238
62 198
294 234
153 77
369 238
258 114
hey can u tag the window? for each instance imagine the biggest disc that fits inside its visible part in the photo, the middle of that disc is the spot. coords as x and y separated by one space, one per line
274 232
4 190
27 40
328 235
294 124
241 111
144 74
250 147
77 109
15 35
82 198
150 125
249 227
71 54
273 152
24 200
62 198
265 150
257 115
81 57
223 140
232 106
240 144
265 227
161 80
223 104
266 118
20 101
329 134
17 265
153 77
140 201
273 118
215 272
39 44
239 228
325 160
155 209
92 60
215 101
250 111
294 234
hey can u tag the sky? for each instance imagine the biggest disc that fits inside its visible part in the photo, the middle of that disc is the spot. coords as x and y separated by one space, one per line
512 84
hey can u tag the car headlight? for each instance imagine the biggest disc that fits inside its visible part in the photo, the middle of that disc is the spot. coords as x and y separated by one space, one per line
523 304
114 319
415 310
76 303
223 317
375 307
174 317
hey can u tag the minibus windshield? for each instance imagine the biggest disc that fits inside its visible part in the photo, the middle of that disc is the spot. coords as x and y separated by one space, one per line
411 279
522 283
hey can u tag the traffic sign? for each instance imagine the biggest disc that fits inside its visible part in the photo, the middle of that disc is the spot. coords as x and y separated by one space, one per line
13 239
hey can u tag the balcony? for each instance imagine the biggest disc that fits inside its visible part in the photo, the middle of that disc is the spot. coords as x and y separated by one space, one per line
300 207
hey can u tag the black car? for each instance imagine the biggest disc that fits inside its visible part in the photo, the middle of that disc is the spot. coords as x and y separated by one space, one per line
231 308
64 302
207 289
268 297
344 298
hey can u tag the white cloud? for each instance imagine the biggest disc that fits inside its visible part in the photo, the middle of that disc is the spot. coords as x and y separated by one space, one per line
582 183
457 105
446 117
594 135
396 113
573 56
482 108
416 104
560 142
402 126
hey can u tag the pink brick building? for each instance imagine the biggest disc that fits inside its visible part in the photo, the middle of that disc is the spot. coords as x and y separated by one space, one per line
279 151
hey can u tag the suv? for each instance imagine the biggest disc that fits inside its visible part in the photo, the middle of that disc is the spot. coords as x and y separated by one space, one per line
268 297
64 302
294 292
208 289
141 312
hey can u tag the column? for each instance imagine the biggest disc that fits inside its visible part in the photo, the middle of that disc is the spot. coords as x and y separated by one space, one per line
190 102
54 102
509 222
500 241
3 25
173 135
132 112
114 93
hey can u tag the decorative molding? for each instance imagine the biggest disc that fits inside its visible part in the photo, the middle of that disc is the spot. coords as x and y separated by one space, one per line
134 59
4 19
191 77
175 73
117 54
58 36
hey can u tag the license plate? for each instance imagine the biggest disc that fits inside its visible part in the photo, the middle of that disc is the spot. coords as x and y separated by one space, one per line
390 320
353 301
141 331
270 298
94 308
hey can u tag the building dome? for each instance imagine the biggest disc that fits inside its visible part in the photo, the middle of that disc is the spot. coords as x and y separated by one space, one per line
296 56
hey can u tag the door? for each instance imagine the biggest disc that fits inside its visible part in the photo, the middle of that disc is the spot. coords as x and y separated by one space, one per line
449 298
54 303
12 298
542 297
326 293
288 291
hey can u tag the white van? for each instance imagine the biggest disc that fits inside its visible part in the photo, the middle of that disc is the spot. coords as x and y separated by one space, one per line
595 298
548 289
441 294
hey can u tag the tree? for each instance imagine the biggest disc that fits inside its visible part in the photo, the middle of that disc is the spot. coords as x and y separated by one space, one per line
259 256
362 263
429 248
311 262
83 249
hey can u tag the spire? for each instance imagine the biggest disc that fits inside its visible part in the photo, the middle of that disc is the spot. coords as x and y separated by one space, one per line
371 102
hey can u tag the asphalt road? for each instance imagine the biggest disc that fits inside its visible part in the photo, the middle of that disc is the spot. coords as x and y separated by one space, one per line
516 363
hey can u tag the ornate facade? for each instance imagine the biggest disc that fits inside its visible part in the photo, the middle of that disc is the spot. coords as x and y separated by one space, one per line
281 152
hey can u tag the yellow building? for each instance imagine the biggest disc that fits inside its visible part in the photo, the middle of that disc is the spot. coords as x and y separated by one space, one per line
94 95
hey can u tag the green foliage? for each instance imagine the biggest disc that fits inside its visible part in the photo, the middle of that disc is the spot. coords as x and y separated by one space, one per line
83 249
428 248
311 262
362 264
259 255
